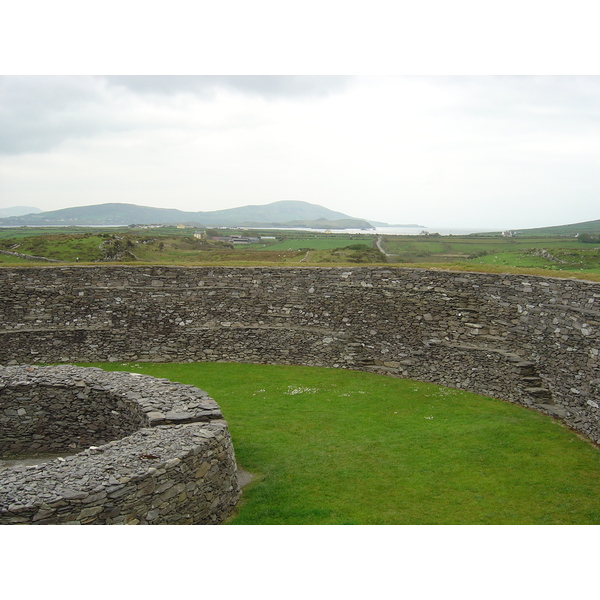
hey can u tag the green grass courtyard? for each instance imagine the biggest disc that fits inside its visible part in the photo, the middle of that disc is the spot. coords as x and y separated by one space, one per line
329 446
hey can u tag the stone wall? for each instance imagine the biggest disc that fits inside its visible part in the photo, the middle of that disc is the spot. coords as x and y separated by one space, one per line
525 339
29 256
163 453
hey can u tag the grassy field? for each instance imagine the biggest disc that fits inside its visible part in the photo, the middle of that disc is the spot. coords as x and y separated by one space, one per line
412 248
331 446
166 248
574 258
64 247
550 255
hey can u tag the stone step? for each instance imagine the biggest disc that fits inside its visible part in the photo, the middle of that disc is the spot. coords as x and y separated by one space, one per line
525 367
514 358
364 362
539 393
532 380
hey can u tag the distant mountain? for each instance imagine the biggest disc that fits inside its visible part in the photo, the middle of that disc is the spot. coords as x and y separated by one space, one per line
99 215
17 211
276 214
573 229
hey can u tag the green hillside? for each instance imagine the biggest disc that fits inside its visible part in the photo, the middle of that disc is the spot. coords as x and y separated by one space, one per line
99 215
573 229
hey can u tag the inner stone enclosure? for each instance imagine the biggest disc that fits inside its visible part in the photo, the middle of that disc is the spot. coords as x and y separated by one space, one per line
147 450
65 415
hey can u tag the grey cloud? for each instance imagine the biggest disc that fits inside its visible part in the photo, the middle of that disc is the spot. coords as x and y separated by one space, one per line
269 86
38 113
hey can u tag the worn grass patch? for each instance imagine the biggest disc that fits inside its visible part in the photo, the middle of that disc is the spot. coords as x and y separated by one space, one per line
342 447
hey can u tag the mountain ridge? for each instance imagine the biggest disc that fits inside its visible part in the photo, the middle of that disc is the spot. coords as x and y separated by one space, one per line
279 213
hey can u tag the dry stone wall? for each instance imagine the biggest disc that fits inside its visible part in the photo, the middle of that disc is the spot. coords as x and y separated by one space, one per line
525 339
140 450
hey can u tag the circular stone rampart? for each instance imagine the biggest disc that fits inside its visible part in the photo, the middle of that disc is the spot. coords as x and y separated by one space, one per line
148 451
526 339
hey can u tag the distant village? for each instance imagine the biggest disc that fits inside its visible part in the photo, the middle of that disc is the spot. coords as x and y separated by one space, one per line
203 235
239 240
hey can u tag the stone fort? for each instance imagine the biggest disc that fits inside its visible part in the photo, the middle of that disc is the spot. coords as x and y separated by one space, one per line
530 340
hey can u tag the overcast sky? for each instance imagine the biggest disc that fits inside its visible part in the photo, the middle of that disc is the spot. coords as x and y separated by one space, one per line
477 151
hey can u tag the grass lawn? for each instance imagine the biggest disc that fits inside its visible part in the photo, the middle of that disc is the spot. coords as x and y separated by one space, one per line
330 446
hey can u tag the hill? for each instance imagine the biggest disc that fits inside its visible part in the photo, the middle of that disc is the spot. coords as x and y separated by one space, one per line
16 211
276 214
572 230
